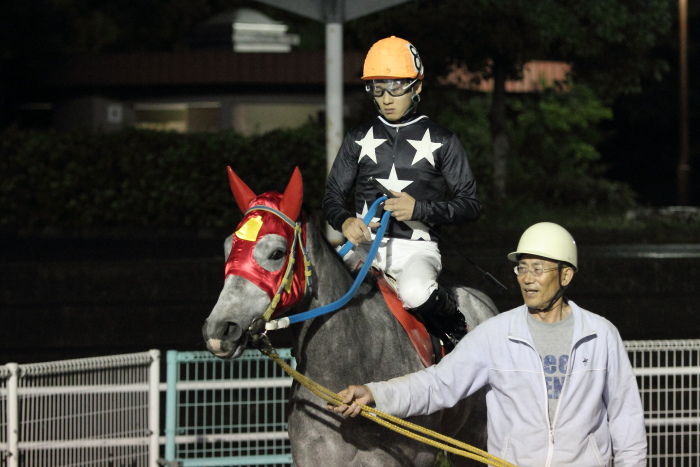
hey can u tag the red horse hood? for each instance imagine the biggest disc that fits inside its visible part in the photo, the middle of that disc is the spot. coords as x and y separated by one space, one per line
270 213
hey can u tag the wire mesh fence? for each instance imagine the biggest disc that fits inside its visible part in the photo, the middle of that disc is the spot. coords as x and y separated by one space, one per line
230 410
83 412
106 411
668 375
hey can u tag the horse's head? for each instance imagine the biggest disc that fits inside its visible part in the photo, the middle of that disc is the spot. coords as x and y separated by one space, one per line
265 270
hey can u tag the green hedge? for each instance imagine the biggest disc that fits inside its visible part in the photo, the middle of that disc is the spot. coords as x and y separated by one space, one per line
137 178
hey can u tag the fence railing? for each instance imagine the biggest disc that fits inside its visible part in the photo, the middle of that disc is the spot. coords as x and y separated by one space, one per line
226 412
106 411
85 412
668 375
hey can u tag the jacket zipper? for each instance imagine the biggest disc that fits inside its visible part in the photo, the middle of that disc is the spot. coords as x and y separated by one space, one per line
550 447
393 146
561 396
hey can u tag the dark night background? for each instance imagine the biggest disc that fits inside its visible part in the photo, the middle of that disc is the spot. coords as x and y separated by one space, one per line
640 146
129 289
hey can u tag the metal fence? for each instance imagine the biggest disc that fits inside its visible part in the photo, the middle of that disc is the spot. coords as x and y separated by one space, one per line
105 411
668 374
226 412
5 373
85 412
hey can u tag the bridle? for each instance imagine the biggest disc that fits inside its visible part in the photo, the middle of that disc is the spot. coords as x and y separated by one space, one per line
286 281
271 213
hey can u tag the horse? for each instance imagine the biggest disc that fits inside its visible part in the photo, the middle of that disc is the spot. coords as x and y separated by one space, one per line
359 343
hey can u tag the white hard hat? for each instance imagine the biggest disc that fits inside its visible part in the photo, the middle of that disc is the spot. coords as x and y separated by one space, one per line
547 240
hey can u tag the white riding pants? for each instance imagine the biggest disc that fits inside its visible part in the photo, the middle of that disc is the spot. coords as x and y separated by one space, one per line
415 265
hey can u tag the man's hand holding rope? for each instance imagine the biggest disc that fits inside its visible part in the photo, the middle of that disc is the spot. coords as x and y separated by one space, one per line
353 397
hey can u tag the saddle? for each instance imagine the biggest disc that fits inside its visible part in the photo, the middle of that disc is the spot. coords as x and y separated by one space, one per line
427 346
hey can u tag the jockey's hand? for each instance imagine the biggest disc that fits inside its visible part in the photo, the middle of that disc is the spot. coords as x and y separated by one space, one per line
353 397
355 230
401 207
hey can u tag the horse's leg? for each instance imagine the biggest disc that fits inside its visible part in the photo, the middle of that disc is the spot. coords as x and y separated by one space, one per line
473 431
323 438
477 307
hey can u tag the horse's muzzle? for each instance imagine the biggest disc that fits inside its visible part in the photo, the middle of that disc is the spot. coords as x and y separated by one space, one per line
224 339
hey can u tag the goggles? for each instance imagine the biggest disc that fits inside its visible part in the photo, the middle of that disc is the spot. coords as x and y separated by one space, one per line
395 87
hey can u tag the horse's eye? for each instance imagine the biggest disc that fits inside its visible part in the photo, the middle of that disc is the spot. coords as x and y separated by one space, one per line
277 254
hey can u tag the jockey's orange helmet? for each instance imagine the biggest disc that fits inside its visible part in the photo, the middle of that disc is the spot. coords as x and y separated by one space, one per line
392 58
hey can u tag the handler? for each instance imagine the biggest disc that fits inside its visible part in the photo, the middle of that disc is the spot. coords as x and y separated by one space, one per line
561 390
420 162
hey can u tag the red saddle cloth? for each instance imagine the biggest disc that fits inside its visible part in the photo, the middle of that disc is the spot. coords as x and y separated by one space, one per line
415 329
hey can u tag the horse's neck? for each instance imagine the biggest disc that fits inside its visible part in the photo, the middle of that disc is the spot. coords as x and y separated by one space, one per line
331 278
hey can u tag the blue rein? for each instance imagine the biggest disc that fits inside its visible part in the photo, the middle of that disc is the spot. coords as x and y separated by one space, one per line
363 271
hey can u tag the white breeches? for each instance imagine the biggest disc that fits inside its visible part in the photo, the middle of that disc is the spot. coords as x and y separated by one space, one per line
415 265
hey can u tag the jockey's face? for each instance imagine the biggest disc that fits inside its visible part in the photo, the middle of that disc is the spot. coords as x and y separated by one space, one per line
393 108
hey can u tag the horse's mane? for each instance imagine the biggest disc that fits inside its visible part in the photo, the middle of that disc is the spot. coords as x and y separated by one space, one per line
316 242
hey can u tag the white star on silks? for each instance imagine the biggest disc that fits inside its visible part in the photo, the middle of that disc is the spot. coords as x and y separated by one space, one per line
424 148
368 145
365 210
393 183
420 230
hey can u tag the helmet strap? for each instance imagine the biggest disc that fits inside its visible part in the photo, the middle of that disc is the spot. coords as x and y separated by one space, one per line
415 99
410 113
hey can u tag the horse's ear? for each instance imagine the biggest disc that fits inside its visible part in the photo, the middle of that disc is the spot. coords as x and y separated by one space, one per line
240 190
293 196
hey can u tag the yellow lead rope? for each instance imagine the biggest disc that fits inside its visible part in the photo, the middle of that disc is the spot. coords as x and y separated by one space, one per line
393 423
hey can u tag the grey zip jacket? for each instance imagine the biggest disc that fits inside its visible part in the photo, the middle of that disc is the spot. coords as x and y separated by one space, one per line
599 419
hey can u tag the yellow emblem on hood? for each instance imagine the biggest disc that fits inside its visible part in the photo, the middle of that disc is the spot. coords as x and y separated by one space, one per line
249 230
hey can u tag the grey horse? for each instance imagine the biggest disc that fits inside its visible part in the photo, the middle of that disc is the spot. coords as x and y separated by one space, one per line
359 343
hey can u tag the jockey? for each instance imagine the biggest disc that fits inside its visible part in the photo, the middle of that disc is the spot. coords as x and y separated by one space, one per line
427 170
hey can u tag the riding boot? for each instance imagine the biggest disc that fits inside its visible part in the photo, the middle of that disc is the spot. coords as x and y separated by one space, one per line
442 318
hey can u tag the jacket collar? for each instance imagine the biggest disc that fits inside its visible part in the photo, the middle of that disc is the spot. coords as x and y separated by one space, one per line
411 120
519 329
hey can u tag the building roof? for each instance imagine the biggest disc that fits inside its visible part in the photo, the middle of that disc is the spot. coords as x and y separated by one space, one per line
535 74
204 67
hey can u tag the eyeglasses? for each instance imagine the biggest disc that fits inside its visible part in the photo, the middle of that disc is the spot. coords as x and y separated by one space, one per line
536 271
395 87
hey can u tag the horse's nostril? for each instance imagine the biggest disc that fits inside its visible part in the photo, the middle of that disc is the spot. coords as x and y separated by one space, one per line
221 330
231 330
